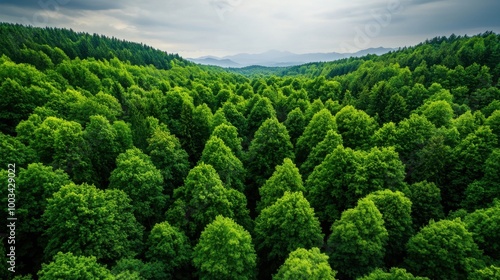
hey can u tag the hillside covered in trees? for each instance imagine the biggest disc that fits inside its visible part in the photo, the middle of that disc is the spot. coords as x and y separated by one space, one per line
126 162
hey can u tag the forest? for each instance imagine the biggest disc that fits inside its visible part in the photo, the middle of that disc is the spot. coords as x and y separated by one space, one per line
121 161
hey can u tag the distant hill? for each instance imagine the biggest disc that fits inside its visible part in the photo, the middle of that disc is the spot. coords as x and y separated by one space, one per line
275 58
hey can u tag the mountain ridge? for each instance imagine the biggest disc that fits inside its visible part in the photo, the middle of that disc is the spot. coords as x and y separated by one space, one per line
275 58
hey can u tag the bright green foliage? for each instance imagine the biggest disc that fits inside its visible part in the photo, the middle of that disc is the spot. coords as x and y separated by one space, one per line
137 176
295 124
169 157
235 117
328 187
439 113
442 250
270 146
318 153
315 132
465 124
487 273
412 135
235 256
316 106
227 165
86 221
355 126
396 210
35 184
169 246
285 178
426 203
202 198
304 264
493 122
70 267
358 240
469 156
260 112
62 144
485 225
229 134
288 224
394 274
380 169
200 130
385 136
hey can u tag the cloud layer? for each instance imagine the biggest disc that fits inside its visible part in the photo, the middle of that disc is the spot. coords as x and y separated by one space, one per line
223 27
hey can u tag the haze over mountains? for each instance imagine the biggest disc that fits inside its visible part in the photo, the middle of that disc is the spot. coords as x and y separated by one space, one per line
276 58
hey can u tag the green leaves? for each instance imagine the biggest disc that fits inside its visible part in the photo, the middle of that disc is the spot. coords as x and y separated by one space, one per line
307 265
169 246
71 267
235 256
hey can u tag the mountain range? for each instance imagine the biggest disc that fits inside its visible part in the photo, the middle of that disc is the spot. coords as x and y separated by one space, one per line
276 58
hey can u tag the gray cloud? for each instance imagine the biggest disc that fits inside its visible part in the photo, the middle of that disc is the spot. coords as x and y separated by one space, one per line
224 27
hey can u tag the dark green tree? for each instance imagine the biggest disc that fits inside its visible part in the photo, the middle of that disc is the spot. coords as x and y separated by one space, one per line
229 134
295 124
426 203
261 111
484 224
235 258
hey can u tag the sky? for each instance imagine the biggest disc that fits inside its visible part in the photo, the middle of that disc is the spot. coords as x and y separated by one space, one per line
195 28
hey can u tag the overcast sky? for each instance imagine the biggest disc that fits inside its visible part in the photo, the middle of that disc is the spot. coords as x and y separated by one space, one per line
194 28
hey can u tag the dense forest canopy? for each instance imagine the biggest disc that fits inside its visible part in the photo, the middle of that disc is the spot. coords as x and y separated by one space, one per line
131 163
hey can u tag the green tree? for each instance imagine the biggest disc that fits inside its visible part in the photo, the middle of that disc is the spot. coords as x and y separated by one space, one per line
36 184
235 257
137 176
84 220
396 109
131 269
442 250
318 153
229 134
426 203
356 245
481 193
385 136
295 124
202 198
394 274
70 267
270 146
307 265
484 224
315 132
396 210
169 246
355 126
169 157
14 151
261 111
285 178
329 185
440 113
227 165
288 224
493 122
487 273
